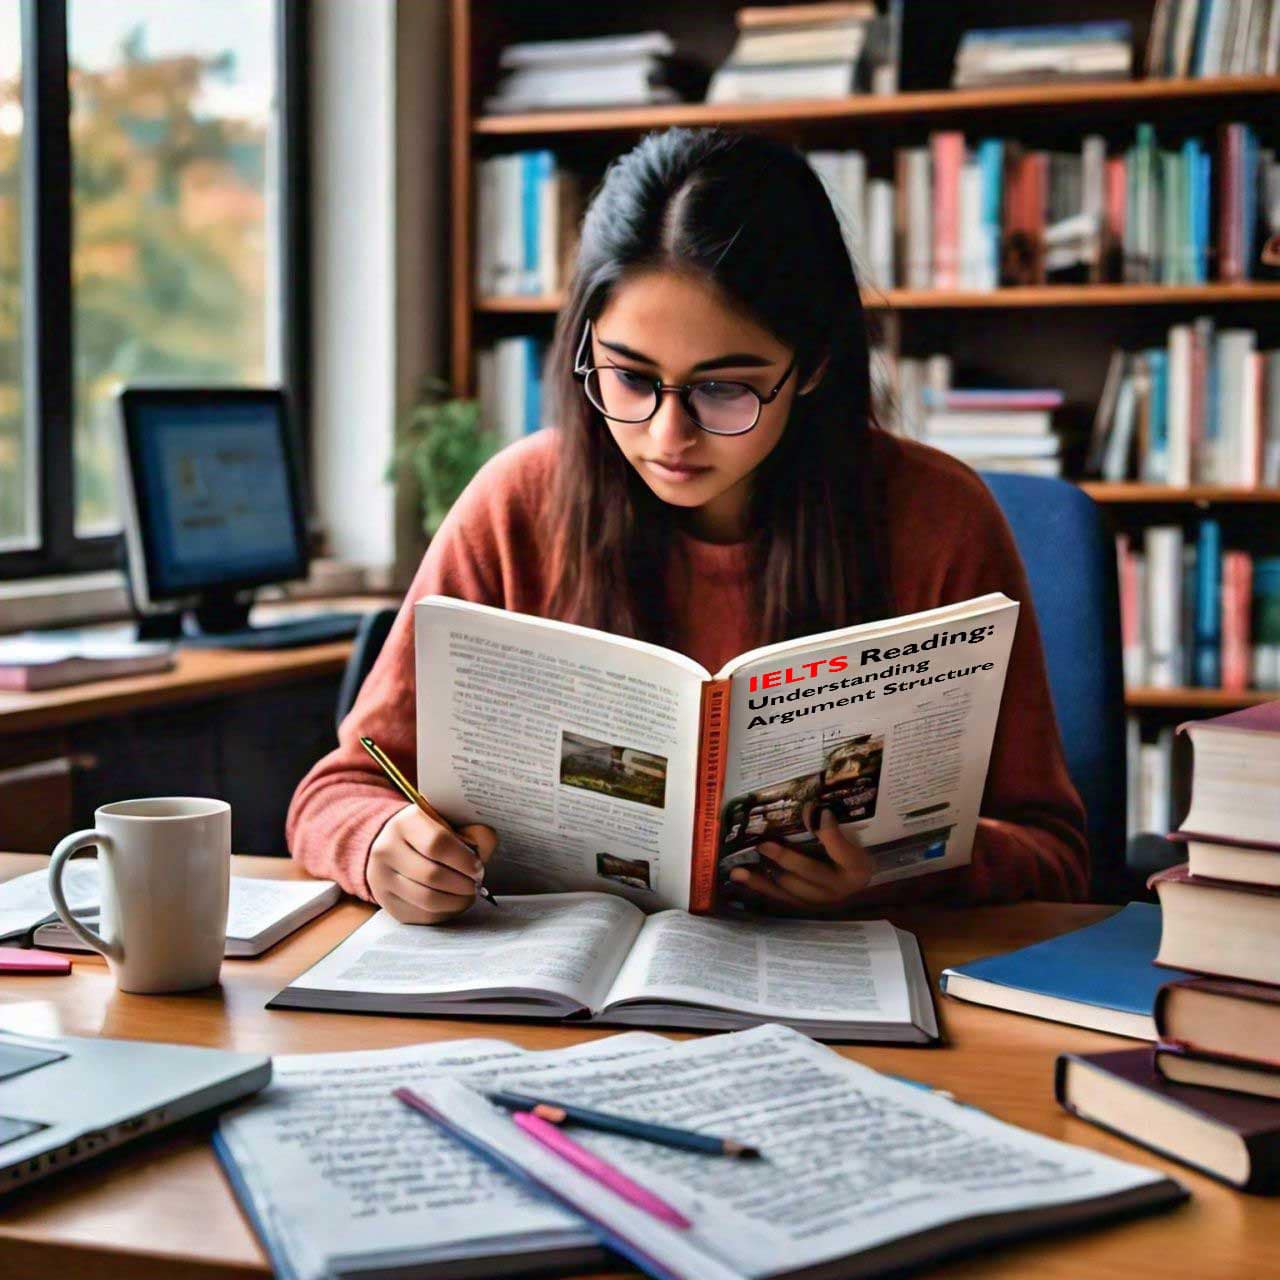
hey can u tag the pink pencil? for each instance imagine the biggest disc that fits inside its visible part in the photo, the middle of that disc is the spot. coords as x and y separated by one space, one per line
555 1140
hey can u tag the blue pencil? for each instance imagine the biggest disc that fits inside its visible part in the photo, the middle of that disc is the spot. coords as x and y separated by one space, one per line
663 1135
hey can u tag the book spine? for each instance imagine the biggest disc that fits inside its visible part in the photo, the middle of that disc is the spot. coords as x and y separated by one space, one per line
1208 605
948 159
1230 266
713 742
1237 592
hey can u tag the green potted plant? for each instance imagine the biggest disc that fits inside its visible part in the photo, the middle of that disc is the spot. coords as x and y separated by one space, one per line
442 444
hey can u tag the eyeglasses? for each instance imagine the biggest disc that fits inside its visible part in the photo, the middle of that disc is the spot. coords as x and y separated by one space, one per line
719 407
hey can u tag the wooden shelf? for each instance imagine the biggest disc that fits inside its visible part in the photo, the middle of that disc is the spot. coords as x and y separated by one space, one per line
1135 492
927 104
1049 295
1198 699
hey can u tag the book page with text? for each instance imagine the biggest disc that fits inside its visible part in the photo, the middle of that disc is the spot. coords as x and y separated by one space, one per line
577 747
846 971
564 944
852 1159
338 1171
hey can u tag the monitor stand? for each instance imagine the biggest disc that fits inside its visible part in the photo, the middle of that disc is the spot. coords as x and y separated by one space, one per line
216 613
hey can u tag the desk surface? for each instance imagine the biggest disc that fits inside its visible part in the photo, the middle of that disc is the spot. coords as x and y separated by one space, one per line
197 674
162 1208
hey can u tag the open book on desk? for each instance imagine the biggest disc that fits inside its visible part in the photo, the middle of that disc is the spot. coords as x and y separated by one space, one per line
861 1174
593 957
614 765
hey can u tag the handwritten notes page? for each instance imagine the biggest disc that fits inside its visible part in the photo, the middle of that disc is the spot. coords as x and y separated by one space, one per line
855 1163
342 1178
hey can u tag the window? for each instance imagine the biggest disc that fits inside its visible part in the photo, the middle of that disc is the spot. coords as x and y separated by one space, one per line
160 210
16 479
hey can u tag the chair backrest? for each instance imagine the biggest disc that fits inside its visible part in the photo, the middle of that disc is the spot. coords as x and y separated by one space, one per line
364 653
1071 564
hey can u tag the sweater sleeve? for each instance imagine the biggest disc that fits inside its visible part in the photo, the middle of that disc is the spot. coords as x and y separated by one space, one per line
344 801
1030 841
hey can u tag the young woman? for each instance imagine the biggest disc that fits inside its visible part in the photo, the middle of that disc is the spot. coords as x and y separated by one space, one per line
713 481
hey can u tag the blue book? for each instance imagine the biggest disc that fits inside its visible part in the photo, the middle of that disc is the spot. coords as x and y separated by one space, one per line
1103 976
1057 33
532 385
991 166
1249 204
1208 624
535 169
1203 201
1156 469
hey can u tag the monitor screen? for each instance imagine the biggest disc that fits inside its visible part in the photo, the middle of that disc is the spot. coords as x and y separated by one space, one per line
216 494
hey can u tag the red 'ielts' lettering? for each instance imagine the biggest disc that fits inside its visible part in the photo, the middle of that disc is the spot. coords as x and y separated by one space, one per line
794 675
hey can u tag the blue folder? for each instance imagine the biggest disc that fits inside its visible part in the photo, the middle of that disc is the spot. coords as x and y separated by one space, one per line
1108 965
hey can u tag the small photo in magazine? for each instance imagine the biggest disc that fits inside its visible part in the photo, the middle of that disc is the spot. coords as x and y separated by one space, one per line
851 777
623 773
633 872
908 851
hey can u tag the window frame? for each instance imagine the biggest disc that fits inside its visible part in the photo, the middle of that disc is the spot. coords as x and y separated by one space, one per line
48 340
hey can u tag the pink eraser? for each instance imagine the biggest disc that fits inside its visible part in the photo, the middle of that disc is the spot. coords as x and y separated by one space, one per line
20 960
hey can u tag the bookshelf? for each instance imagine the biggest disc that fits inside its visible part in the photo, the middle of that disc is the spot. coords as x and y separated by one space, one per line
1051 335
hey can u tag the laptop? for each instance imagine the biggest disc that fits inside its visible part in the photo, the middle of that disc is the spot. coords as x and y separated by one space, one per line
64 1100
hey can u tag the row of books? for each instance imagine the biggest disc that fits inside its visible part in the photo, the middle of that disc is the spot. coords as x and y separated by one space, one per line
1203 409
509 387
527 213
975 216
1194 614
1214 38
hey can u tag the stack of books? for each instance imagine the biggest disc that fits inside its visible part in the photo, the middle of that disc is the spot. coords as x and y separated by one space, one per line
995 429
809 51
1194 614
509 387
1203 409
600 71
1214 38
1033 55
1209 1093
528 211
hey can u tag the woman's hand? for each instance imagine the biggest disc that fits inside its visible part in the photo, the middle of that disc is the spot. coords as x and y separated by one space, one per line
800 882
421 872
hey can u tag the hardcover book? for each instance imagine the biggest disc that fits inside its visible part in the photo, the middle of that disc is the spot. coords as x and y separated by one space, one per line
1232 1137
612 765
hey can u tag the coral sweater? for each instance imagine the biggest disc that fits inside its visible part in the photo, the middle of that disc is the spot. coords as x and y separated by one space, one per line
948 541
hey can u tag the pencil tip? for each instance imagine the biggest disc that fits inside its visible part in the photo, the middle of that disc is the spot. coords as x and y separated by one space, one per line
740 1151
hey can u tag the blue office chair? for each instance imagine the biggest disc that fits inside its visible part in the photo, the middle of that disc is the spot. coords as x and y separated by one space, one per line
370 637
1071 564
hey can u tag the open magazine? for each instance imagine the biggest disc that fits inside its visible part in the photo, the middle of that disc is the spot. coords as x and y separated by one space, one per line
610 764
593 956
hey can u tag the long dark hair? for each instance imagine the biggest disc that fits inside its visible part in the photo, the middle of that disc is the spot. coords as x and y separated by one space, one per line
749 214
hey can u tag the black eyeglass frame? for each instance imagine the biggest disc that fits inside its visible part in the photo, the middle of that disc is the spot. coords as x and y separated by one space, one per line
683 390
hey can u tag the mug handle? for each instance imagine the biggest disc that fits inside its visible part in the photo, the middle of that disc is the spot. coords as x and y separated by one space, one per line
68 845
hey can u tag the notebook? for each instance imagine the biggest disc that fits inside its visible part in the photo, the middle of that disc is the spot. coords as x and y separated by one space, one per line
1102 976
259 912
861 1174
596 957
339 1180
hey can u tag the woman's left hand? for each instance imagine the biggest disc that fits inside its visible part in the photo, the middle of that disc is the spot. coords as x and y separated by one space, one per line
800 881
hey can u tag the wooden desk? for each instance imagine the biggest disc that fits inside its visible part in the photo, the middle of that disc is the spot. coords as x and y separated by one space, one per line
163 1209
209 726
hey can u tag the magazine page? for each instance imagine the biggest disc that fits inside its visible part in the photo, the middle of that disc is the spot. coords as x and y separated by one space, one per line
846 971
566 945
889 726
340 1176
853 1160
577 747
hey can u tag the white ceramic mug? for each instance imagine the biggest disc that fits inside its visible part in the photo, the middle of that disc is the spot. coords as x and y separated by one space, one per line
165 872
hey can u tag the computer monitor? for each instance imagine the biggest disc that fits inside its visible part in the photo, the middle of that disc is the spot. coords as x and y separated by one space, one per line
213 501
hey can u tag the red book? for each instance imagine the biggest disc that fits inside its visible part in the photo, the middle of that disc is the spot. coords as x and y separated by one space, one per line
1228 1135
1196 416
1237 599
948 161
1116 201
1230 204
